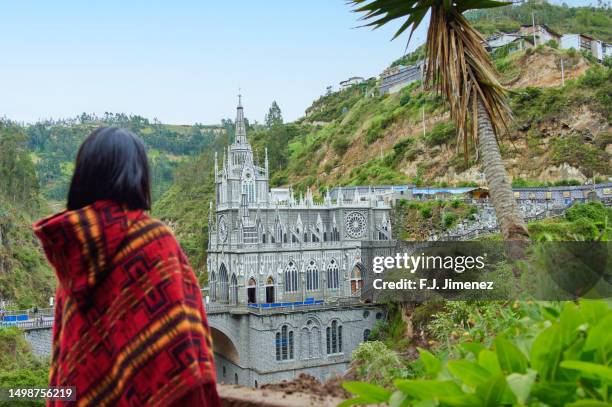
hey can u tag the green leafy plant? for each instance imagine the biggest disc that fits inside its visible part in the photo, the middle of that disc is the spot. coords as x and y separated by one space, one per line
563 359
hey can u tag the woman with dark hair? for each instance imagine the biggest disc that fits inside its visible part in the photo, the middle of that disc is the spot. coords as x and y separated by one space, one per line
130 327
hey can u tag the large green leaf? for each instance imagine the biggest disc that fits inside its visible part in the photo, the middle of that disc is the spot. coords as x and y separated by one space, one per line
466 400
431 363
593 311
546 351
355 401
469 372
369 392
589 370
473 347
554 394
399 399
599 338
589 403
521 384
492 391
570 320
511 359
429 389
488 360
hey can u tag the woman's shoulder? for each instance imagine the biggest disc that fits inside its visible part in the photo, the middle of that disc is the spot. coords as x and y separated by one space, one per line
143 219
162 239
148 229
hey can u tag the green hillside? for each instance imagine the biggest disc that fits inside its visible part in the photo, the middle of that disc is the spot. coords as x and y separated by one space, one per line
594 21
55 143
380 139
25 276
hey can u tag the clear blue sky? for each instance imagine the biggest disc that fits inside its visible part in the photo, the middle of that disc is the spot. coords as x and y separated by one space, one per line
182 61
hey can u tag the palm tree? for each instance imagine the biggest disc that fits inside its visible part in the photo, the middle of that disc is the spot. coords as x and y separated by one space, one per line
461 70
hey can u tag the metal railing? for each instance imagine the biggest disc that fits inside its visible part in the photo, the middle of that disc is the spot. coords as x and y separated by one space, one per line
216 308
29 312
29 324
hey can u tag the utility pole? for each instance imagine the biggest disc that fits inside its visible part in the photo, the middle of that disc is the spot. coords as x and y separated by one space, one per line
535 41
423 91
562 73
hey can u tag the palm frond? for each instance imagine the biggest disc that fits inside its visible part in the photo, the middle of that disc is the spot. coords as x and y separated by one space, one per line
457 64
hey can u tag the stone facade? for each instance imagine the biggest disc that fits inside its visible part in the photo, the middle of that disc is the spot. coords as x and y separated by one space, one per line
248 352
40 339
279 269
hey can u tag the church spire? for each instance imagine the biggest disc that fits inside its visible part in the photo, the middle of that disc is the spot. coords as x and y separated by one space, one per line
240 126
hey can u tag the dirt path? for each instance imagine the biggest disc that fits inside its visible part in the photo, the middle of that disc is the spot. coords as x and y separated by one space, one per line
237 396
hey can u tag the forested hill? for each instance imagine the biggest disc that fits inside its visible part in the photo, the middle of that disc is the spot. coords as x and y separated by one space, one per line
54 145
594 21
25 277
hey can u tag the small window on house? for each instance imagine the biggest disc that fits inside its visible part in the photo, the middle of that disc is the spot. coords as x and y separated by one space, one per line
378 315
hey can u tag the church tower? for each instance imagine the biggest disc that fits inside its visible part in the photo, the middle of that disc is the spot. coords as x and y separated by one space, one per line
241 183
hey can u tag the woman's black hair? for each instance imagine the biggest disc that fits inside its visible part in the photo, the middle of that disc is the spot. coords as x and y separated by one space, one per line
111 164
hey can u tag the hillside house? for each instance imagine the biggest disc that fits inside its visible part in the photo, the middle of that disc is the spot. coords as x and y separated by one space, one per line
542 33
512 41
583 42
393 79
353 80
606 49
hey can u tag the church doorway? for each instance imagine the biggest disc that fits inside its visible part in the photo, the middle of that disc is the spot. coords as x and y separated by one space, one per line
252 291
270 290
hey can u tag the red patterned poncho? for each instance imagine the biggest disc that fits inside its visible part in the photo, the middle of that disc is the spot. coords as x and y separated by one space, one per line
130 327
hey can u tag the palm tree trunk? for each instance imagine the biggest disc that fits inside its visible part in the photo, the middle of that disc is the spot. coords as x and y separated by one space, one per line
509 218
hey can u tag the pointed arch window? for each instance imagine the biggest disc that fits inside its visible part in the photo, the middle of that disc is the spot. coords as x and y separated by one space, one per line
334 338
291 278
223 284
284 343
248 187
333 275
279 232
234 289
212 283
312 276
310 339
